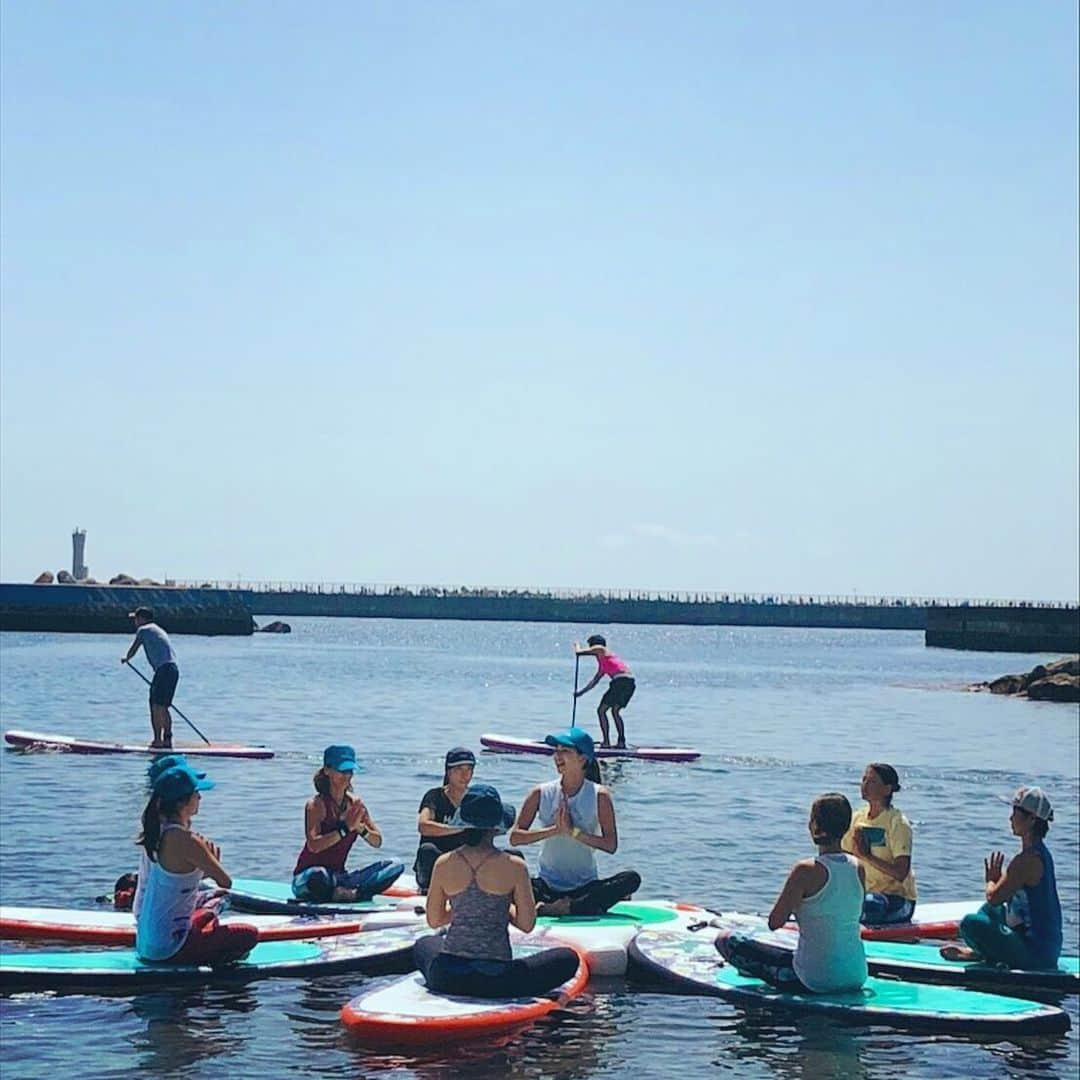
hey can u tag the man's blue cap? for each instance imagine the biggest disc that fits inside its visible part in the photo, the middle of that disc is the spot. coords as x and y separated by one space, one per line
575 739
180 782
482 808
341 758
159 765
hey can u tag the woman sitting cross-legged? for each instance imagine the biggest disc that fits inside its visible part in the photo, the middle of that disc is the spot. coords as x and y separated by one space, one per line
825 894
333 821
577 818
479 891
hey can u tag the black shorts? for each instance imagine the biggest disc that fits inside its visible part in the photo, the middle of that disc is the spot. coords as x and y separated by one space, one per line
164 685
619 693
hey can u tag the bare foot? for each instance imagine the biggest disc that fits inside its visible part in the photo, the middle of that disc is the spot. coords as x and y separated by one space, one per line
957 952
555 907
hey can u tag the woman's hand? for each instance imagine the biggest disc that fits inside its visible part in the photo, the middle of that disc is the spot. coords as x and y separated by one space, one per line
356 815
994 864
858 838
563 823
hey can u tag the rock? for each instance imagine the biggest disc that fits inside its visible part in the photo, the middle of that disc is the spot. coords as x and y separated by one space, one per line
64 578
1069 666
1007 684
1055 688
1059 681
276 627
44 578
123 579
149 581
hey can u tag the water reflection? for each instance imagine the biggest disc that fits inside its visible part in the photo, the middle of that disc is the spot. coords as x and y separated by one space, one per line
184 1028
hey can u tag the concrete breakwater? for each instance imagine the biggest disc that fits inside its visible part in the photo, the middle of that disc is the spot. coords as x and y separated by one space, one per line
595 609
997 629
224 609
101 609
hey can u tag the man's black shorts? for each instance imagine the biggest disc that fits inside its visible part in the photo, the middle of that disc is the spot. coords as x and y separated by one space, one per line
619 692
164 685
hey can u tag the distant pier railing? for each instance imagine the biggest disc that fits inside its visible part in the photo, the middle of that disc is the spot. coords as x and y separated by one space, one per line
602 595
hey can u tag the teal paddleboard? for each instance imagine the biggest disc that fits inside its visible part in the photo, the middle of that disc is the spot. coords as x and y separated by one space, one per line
921 963
693 964
113 969
261 897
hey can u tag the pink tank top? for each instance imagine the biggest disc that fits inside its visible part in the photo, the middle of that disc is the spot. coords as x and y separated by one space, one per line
333 857
611 665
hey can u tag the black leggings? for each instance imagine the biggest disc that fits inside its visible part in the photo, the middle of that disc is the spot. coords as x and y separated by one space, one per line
594 898
529 976
426 855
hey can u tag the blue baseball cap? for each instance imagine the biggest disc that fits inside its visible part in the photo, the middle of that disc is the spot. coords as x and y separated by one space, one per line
482 808
180 782
341 758
159 765
575 739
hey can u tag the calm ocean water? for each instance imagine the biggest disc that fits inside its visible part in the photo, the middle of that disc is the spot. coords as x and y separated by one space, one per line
780 716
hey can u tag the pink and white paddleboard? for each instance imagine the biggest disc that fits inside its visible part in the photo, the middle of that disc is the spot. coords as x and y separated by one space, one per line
39 740
509 744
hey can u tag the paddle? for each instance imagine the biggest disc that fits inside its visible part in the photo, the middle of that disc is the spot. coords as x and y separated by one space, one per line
573 715
173 707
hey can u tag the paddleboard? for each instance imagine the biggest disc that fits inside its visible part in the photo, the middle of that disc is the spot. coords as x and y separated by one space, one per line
509 744
407 1012
276 898
85 927
39 740
379 951
918 963
693 964
604 939
929 921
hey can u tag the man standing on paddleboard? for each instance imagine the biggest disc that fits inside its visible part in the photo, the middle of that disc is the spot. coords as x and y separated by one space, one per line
161 657
619 692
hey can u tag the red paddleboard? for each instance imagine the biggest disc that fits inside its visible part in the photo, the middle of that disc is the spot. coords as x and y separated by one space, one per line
510 744
407 1013
39 740
87 927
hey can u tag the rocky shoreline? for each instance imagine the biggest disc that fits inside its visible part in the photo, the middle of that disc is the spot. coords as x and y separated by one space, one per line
1059 681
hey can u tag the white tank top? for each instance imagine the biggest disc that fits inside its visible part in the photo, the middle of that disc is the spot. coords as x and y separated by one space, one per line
565 863
830 955
164 916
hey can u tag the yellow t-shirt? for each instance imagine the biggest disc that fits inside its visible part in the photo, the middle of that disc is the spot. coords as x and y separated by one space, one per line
894 833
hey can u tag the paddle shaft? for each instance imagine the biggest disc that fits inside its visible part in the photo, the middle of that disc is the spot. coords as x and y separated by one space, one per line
573 715
173 707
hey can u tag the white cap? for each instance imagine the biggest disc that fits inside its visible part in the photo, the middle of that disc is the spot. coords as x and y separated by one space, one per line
1032 800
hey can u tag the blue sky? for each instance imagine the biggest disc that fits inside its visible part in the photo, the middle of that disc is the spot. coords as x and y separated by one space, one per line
775 298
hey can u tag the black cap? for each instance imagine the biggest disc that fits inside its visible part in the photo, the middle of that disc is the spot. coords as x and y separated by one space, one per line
460 755
142 613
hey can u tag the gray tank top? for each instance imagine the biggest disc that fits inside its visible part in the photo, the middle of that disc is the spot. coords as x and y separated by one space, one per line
479 927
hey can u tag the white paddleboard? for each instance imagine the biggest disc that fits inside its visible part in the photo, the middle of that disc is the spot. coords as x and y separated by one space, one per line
41 740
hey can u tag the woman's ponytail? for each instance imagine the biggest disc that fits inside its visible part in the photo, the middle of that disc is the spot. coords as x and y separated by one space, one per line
151 827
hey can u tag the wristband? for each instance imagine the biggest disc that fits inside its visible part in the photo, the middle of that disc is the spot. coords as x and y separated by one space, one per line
575 832
363 831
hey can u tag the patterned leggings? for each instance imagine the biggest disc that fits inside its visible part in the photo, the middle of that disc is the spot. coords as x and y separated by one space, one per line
760 960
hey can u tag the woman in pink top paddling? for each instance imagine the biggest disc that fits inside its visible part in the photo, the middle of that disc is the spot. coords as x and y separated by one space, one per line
619 692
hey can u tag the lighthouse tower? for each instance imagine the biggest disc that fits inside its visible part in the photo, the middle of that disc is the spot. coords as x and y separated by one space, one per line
79 570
